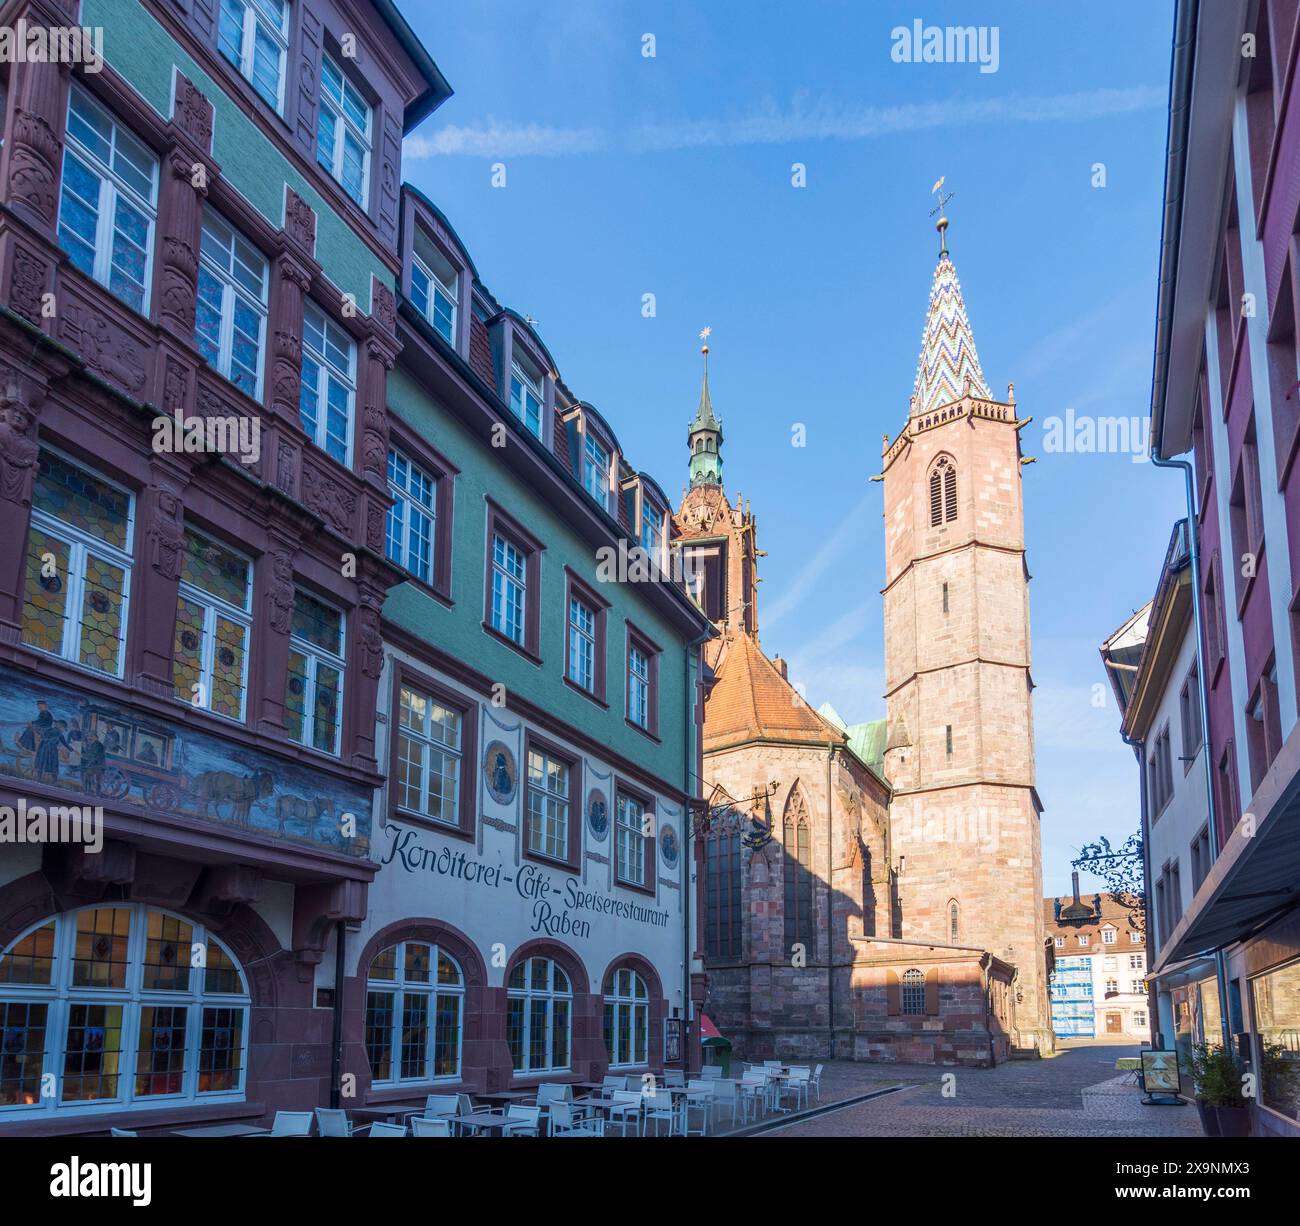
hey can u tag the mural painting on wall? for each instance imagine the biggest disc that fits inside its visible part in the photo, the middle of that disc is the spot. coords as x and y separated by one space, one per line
55 737
500 772
597 815
669 848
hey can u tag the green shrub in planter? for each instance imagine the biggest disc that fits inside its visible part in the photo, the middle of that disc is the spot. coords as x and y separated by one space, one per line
1217 1075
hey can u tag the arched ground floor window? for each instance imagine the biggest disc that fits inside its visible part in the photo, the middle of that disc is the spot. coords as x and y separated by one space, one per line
415 1001
119 1005
627 1018
539 1015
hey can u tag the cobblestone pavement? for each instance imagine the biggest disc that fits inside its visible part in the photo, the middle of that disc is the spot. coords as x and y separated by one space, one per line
1076 1093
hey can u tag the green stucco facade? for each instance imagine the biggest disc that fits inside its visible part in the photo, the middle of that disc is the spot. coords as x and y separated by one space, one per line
139 48
459 632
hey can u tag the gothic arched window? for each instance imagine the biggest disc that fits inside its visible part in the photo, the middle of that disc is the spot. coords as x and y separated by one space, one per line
797 839
914 992
943 492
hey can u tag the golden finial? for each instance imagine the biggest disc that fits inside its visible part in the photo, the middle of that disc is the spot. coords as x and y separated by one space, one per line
705 333
942 224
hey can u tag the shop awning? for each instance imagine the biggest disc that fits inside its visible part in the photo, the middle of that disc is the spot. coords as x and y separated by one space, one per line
1257 875
709 1032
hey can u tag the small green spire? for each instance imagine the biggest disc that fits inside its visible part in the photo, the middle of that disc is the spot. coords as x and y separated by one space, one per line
704 434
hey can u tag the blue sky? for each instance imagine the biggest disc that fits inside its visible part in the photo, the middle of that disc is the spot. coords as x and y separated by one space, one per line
671 175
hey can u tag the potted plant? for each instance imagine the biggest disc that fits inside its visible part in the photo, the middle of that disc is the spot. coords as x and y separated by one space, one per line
1219 1099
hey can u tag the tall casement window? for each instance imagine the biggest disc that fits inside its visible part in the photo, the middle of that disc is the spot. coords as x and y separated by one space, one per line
107 1002
213 627
107 203
431 742
435 286
595 468
329 384
509 589
539 1008
1189 711
526 396
411 532
798 893
313 692
627 1018
78 578
642 683
913 992
652 530
254 36
943 492
343 131
582 644
954 922
415 1007
630 846
549 803
230 322
723 929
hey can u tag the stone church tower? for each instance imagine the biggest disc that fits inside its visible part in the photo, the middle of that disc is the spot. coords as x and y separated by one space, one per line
964 812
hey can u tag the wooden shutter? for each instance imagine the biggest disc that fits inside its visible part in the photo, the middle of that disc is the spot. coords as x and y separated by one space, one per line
893 994
932 993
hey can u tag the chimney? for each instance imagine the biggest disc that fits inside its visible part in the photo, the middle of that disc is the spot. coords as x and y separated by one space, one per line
781 667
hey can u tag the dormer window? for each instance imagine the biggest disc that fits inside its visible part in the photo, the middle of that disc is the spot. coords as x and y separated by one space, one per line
652 529
595 468
435 286
343 132
254 36
526 398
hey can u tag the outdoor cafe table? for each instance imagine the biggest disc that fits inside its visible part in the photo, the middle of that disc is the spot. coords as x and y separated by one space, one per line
506 1097
222 1130
482 1119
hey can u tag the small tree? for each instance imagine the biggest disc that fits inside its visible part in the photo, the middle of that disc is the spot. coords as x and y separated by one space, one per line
1121 869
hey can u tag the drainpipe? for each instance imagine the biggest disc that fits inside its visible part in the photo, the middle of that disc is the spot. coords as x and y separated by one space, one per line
830 900
688 839
1198 617
336 1042
1139 750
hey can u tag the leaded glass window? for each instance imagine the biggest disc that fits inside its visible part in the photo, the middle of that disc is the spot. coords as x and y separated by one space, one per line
627 1018
798 875
213 626
313 698
539 1002
415 1001
77 581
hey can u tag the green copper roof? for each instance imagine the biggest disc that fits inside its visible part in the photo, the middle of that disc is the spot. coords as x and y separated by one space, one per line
704 415
867 741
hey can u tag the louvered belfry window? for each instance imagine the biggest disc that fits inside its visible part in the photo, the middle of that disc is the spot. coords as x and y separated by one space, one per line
943 492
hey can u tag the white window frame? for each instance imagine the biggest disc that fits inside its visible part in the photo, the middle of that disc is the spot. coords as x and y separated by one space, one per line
60 996
214 607
638 686
548 820
623 998
328 371
411 515
505 581
652 530
550 994
230 291
113 189
316 656
595 468
1108 936
434 285
630 850
256 15
79 544
582 645
399 987
521 382
345 125
428 745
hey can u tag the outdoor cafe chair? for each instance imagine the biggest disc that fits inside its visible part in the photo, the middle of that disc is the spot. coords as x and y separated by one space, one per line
387 1130
421 1126
291 1124
754 1091
725 1095
658 1105
674 1077
800 1082
625 1109
567 1122
773 1064
522 1121
332 1122
699 1097
816 1081
439 1106
712 1072
612 1082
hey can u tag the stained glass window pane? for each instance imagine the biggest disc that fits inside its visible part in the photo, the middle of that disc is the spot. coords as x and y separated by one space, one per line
31 959
325 725
100 959
101 615
160 1057
228 668
92 1052
187 649
45 593
317 623
71 494
212 567
167 954
221 973
415 1033
379 1034
417 962
295 696
22 1052
446 1043
221 1046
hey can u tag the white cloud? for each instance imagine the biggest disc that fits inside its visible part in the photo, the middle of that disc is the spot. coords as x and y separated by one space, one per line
770 124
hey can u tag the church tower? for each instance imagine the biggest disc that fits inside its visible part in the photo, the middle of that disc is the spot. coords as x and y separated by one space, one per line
717 538
964 814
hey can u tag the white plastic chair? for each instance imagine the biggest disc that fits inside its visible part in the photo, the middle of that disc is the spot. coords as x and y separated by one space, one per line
699 1097
387 1130
674 1077
612 1082
625 1109
800 1084
421 1126
753 1091
291 1124
524 1121
712 1072
567 1122
725 1095
658 1105
816 1081
332 1122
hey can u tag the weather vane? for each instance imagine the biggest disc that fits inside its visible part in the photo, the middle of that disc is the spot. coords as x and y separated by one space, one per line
705 333
942 224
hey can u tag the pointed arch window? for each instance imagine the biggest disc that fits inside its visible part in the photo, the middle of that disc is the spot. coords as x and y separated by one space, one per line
954 921
943 492
797 839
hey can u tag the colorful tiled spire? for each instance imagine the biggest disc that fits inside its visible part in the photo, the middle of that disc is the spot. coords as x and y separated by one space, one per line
948 358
